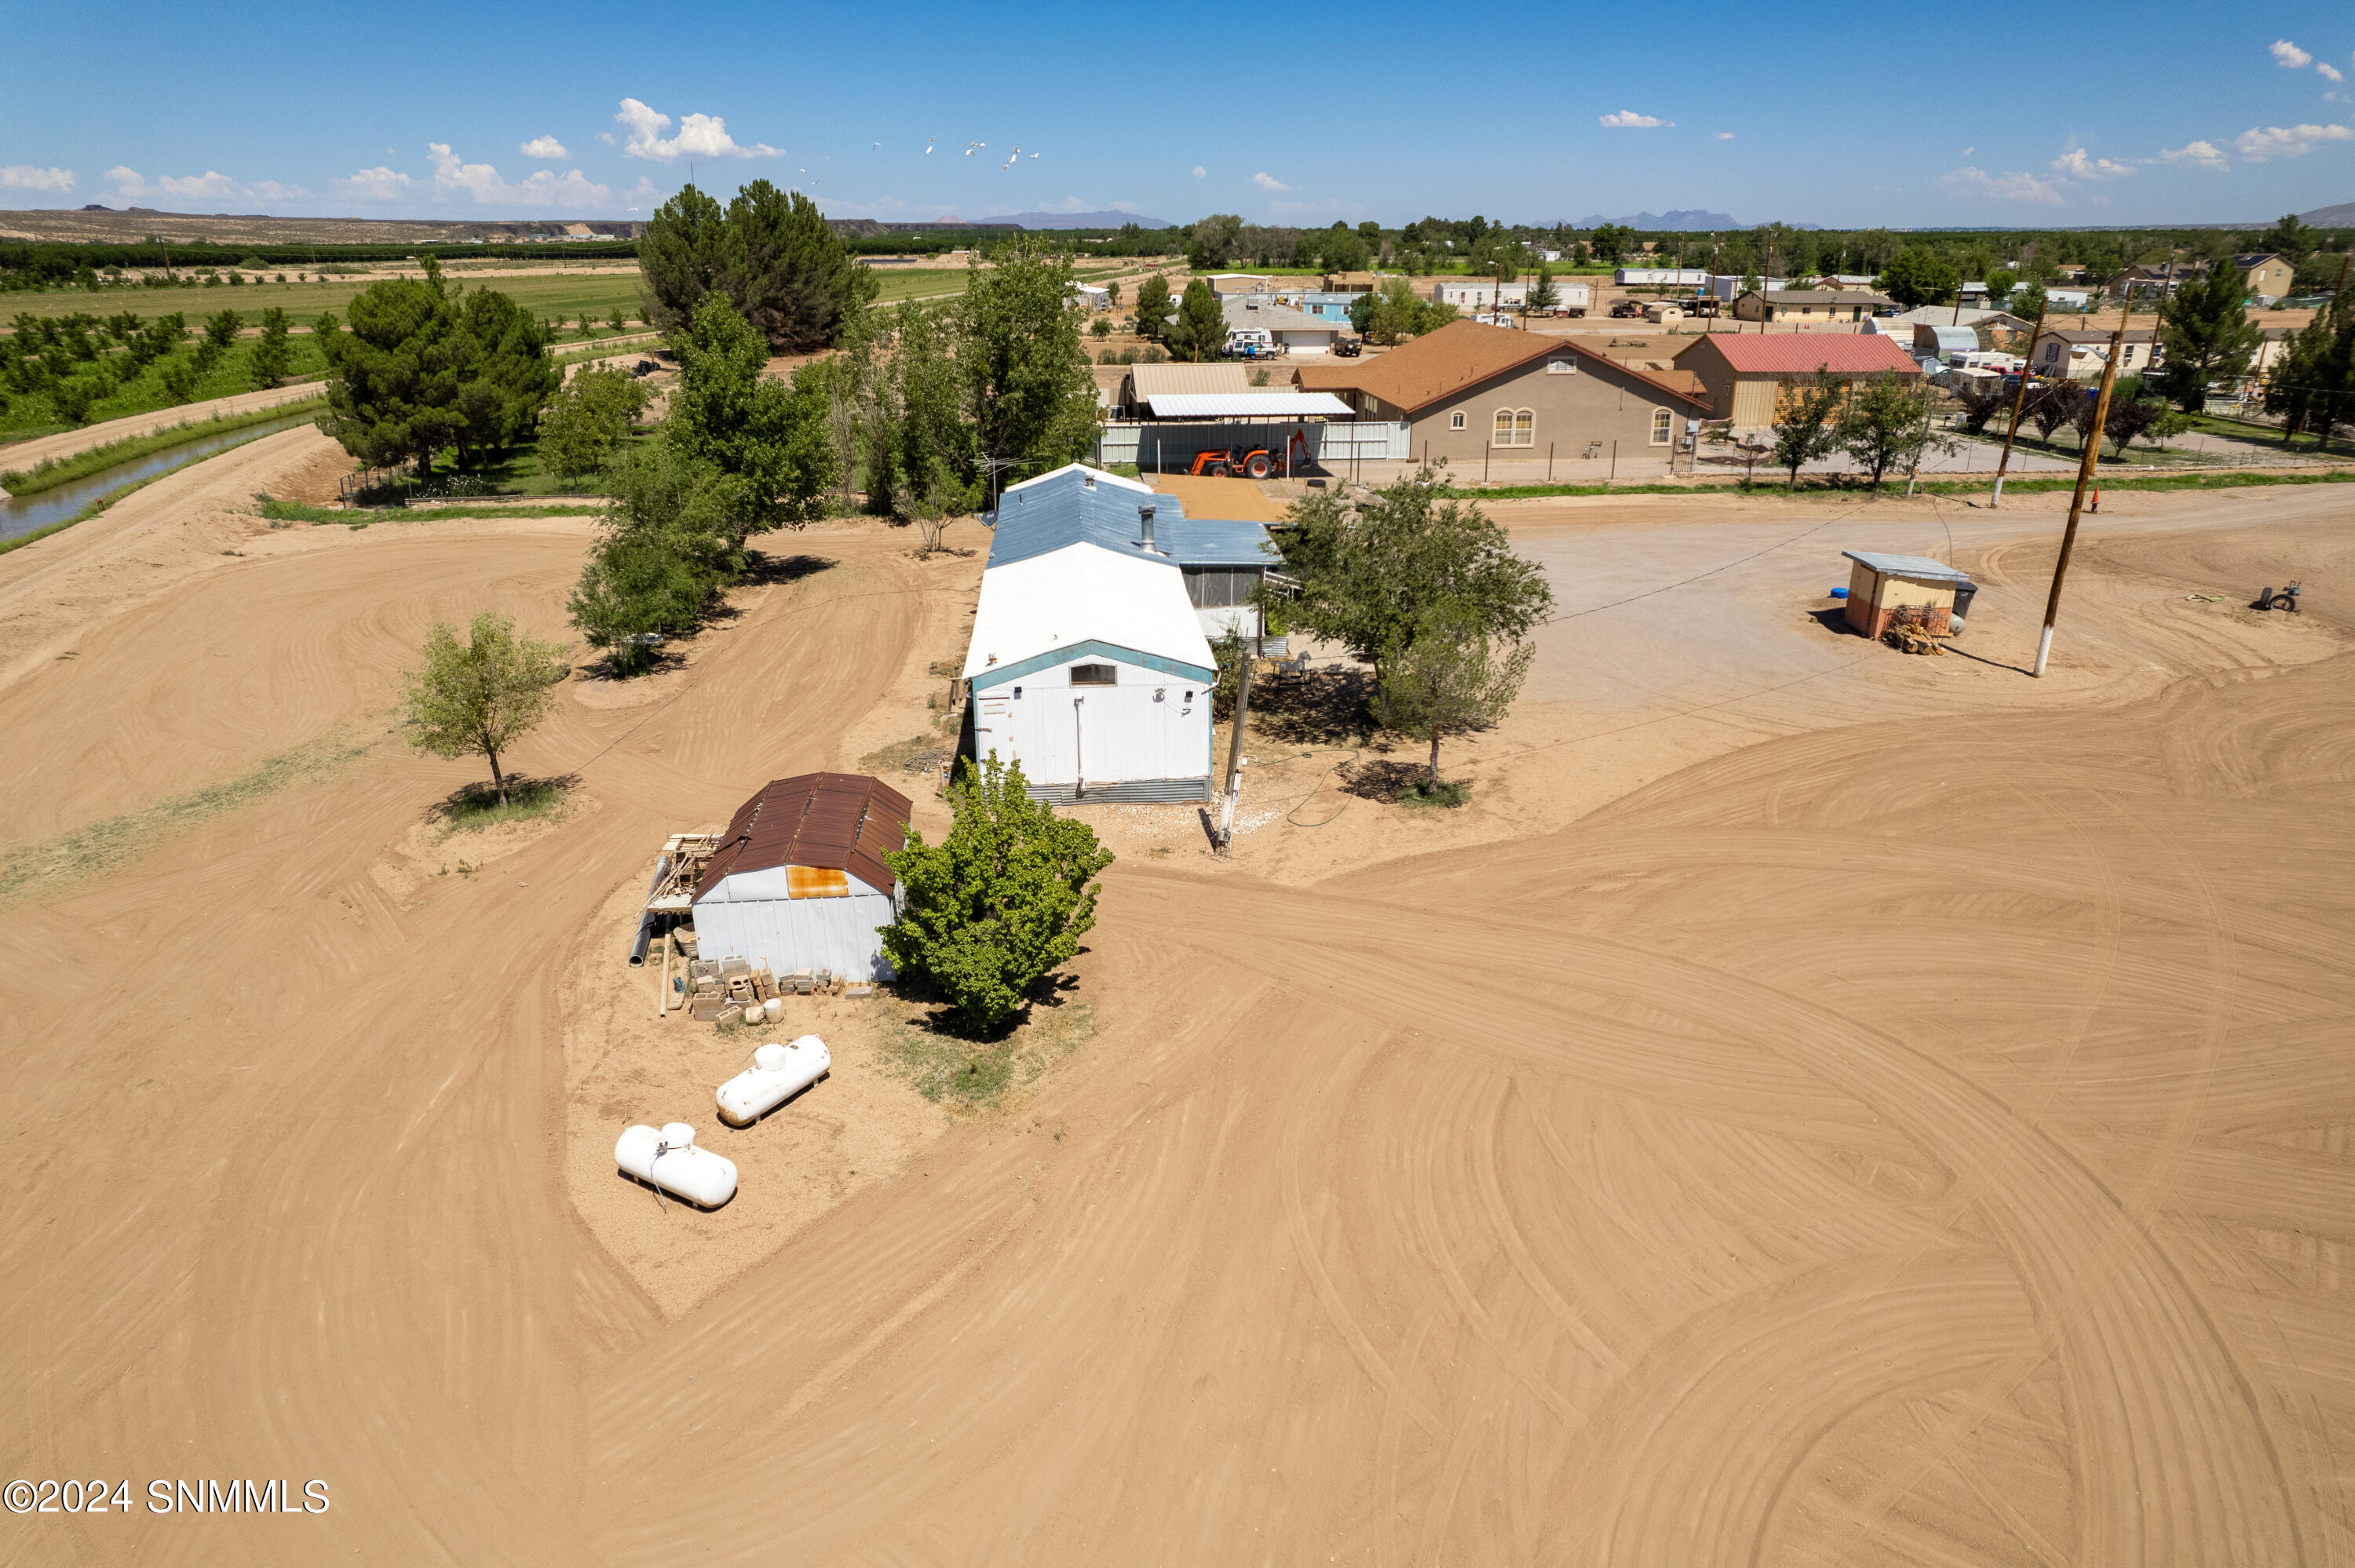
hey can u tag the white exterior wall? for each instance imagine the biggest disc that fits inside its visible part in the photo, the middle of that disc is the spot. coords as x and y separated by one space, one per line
747 917
1476 295
1144 728
1243 617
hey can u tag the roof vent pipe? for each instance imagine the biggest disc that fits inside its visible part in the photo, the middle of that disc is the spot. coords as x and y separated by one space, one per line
1144 521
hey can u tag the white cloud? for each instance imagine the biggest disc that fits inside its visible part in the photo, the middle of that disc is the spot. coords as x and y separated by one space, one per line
378 183
699 136
2286 141
544 188
2076 164
210 185
26 178
1724 136
271 190
545 147
2195 155
2289 55
1629 118
1968 151
1199 172
1268 182
2014 186
2329 72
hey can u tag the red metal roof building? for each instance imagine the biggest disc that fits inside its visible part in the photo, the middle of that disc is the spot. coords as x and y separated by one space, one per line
1742 372
799 881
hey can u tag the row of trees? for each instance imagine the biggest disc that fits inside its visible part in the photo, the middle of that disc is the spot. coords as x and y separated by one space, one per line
906 421
2312 387
1885 424
69 361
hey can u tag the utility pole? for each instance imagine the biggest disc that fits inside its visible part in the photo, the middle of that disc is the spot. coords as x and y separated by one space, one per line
2092 455
1235 752
2018 405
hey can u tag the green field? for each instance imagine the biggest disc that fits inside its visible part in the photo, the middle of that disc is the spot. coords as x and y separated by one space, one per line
561 295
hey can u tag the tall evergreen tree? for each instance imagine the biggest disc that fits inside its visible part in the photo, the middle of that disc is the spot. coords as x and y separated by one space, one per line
1200 329
687 250
788 272
2209 336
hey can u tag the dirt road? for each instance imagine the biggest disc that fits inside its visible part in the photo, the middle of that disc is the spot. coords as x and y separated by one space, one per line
1913 1129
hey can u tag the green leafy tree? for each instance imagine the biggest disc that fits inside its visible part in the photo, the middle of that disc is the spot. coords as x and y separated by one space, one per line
770 436
221 329
73 397
1610 242
2313 389
788 272
1916 276
1999 285
1372 575
671 540
688 250
1543 295
915 439
271 352
393 377
1201 330
1027 387
2028 301
998 904
178 378
587 422
2209 336
480 696
1153 307
1806 422
1889 424
1214 242
1454 677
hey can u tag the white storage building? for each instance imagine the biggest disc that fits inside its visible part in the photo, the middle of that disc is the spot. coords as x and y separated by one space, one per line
799 881
1091 660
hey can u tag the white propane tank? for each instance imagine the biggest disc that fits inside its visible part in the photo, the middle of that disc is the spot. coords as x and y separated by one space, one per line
778 1073
670 1160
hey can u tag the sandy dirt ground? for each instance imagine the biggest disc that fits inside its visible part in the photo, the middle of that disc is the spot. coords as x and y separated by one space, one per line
1812 1105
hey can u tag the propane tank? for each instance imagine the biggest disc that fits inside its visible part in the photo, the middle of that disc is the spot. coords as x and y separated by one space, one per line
670 1160
778 1073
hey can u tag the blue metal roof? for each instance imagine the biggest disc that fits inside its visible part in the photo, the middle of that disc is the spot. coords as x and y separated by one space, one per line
1065 510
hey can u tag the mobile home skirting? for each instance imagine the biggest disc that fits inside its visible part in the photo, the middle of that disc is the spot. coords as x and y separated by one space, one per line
1132 791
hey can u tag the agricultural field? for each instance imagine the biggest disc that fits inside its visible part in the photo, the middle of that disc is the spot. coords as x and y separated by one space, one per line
25 414
566 296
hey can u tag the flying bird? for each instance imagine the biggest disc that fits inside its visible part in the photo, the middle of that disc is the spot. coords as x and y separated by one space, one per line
878 145
928 143
1034 154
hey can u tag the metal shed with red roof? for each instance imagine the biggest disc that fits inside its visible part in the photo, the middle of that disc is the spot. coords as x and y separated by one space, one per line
1740 372
798 880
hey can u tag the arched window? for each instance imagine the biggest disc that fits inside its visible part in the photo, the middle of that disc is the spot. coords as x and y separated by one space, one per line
1514 428
1661 421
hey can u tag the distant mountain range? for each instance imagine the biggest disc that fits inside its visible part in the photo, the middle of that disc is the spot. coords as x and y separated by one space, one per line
2339 217
1082 220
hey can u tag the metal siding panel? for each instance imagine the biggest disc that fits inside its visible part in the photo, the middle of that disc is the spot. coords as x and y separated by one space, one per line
838 934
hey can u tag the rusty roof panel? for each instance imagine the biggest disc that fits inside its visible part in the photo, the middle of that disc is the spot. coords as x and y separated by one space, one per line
834 821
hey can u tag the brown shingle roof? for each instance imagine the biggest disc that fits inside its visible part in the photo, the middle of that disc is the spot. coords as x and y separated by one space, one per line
1458 355
841 822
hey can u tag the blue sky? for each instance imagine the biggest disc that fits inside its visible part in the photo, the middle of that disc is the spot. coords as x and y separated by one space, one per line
1834 115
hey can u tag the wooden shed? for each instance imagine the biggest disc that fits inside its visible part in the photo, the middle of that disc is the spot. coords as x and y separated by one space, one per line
798 880
1880 586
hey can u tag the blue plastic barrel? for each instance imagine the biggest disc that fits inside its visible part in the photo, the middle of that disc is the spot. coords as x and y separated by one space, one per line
1840 593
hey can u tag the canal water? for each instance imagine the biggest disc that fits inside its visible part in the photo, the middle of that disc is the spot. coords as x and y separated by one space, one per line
23 513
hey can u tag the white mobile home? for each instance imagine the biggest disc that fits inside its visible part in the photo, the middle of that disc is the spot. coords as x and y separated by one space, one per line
799 881
1091 660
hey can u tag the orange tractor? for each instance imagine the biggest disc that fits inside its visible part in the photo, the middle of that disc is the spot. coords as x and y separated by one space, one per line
1258 463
